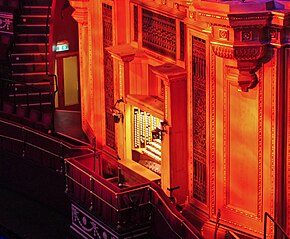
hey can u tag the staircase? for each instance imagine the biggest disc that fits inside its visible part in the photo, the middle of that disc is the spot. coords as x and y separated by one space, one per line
31 87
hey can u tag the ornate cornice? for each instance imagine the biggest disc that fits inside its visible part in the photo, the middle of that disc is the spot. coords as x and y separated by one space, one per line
249 53
223 51
248 59
81 11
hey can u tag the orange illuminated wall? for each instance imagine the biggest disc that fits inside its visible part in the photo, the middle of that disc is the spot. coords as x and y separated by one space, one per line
219 72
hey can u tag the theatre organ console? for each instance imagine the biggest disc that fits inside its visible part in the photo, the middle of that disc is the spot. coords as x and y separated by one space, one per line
146 147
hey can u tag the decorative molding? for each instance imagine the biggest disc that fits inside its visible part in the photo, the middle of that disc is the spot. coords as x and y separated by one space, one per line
214 16
81 11
273 34
247 35
287 163
248 58
88 227
6 23
249 53
212 167
223 34
260 145
226 155
223 51
192 15
273 136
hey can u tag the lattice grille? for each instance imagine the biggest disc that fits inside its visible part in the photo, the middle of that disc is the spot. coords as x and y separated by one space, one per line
159 33
136 23
182 40
108 76
199 118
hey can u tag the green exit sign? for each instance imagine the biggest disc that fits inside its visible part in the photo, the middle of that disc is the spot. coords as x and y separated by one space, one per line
62 46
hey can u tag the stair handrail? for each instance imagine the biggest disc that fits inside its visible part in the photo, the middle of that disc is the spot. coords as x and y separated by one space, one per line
156 196
267 215
46 37
37 89
21 83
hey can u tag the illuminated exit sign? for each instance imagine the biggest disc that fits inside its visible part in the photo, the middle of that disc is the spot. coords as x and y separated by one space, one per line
62 46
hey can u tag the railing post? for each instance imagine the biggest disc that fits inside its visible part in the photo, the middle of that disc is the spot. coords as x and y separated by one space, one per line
2 94
24 142
217 224
265 225
94 145
66 176
118 227
91 193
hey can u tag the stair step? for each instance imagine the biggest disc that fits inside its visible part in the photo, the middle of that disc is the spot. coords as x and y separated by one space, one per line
32 28
33 98
35 10
32 38
33 19
36 2
28 67
28 57
46 106
29 48
31 87
31 77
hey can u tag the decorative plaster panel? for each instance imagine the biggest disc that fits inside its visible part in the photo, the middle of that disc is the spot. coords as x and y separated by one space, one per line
88 227
6 23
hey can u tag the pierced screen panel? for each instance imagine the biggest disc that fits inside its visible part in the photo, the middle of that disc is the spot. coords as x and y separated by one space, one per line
199 118
159 33
108 76
136 23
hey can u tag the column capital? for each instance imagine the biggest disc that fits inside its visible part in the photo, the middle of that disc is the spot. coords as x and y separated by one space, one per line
81 11
124 53
170 73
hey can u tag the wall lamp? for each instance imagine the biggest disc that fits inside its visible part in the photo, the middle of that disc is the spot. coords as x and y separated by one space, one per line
158 132
117 114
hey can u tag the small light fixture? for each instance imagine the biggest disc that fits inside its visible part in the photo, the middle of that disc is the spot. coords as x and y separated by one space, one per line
117 114
157 133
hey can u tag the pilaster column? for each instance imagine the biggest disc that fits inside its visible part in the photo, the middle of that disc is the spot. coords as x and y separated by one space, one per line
122 56
81 11
174 142
81 16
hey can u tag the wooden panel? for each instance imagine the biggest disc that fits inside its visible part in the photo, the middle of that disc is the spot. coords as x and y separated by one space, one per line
245 152
242 159
288 142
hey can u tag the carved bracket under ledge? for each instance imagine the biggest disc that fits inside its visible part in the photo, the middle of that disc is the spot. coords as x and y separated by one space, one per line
249 59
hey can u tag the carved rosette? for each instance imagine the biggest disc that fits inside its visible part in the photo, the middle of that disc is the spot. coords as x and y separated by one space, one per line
6 23
248 59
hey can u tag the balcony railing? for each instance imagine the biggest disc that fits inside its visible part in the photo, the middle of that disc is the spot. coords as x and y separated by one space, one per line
45 150
127 208
123 206
273 228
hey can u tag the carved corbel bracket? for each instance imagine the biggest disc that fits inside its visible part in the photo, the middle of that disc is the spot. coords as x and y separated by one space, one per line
81 11
248 59
248 62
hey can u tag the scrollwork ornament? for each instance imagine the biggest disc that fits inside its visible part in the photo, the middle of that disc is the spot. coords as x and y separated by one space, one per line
223 51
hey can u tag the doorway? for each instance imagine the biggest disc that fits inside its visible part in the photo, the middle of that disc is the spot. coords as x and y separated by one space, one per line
67 70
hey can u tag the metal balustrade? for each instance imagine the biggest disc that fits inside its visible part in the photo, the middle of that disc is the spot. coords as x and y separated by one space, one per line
125 209
133 207
275 228
43 149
